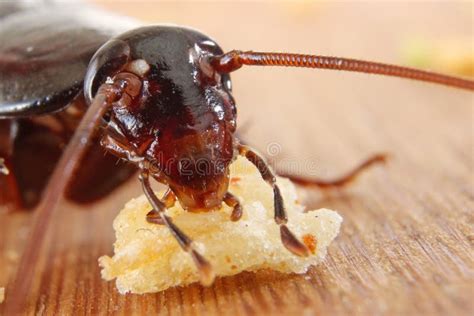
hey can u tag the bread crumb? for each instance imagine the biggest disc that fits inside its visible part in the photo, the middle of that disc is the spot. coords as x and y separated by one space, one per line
2 294
148 259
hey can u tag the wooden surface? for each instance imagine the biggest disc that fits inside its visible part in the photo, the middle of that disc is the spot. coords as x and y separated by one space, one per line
406 242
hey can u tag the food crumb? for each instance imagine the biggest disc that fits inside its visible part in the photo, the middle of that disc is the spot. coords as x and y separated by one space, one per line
147 259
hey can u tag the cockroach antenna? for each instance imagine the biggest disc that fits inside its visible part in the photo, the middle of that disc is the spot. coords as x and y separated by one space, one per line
235 59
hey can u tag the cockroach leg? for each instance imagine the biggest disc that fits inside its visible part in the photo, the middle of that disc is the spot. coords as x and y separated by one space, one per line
153 217
51 122
287 237
119 146
232 201
344 180
65 122
203 266
169 200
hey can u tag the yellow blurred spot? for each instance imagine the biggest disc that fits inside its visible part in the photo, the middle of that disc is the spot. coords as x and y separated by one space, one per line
451 56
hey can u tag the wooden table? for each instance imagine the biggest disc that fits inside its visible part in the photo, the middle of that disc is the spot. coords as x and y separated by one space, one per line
406 242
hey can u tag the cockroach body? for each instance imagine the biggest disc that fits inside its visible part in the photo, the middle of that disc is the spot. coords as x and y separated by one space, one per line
163 97
43 60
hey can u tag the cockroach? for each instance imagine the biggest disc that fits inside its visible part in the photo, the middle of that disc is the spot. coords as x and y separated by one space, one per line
159 97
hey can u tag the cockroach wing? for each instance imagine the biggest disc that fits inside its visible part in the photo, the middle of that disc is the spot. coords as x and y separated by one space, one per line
44 54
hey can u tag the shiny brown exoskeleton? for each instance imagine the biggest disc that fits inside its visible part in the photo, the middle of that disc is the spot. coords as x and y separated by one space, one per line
162 95
43 60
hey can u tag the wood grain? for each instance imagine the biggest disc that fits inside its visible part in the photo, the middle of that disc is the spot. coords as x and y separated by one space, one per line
406 242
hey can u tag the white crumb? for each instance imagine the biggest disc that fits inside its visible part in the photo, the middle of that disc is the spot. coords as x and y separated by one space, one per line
148 259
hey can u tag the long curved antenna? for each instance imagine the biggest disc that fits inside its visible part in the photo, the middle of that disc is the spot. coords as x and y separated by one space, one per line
235 59
68 164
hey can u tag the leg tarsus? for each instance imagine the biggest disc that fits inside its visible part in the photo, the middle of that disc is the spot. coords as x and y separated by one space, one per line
279 206
292 243
232 201
204 267
153 217
341 181
287 237
169 199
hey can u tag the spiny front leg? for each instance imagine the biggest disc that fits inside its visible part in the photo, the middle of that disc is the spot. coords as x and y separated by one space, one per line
287 237
232 201
203 266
